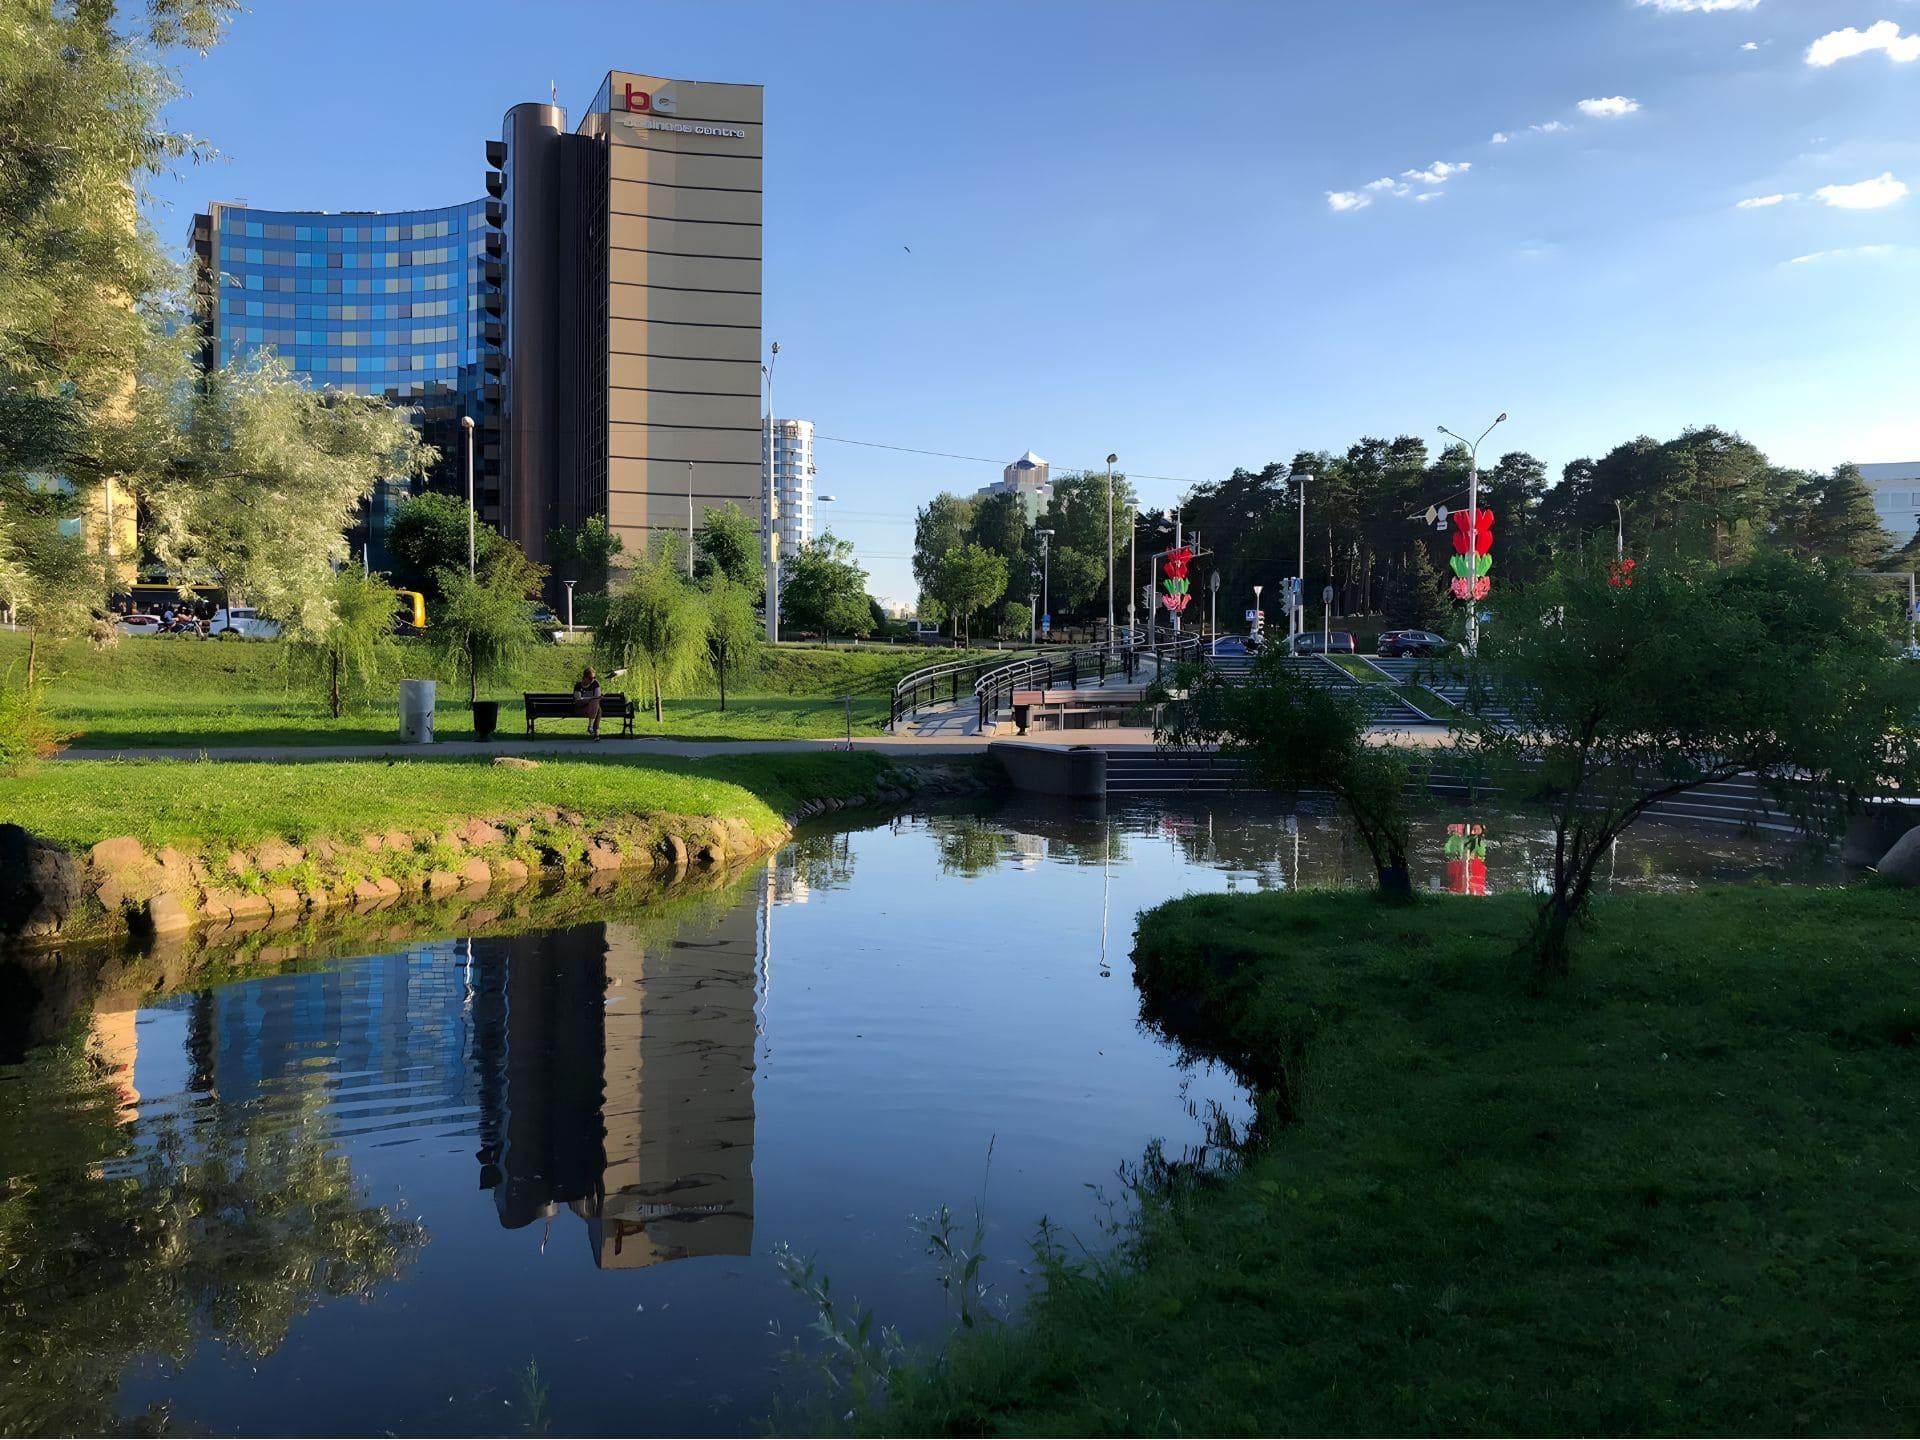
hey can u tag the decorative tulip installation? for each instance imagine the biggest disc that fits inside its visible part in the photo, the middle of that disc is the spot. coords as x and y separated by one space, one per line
1466 859
1620 574
1175 581
1472 553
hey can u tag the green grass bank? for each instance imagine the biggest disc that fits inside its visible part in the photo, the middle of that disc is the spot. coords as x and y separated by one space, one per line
144 692
213 804
1677 1194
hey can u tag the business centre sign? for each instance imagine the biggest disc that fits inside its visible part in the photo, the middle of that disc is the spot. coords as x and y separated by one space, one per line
652 103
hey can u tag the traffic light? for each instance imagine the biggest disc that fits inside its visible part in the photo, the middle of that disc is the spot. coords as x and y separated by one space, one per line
1472 559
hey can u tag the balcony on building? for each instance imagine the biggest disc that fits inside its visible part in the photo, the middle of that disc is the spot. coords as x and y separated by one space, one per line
496 153
496 184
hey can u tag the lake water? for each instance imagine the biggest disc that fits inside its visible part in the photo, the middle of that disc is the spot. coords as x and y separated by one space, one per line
510 1183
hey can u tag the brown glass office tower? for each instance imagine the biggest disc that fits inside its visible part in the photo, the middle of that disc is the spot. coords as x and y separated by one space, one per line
628 297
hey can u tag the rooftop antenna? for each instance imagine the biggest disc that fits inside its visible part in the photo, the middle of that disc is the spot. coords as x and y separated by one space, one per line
553 93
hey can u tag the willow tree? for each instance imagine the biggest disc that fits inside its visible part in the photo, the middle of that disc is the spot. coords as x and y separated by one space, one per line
345 642
656 626
485 623
733 631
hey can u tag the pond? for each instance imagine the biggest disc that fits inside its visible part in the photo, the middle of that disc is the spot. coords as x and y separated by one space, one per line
537 1181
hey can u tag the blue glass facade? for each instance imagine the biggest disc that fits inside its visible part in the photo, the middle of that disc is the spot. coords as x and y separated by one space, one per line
386 303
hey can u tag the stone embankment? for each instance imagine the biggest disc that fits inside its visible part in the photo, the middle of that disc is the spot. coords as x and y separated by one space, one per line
120 884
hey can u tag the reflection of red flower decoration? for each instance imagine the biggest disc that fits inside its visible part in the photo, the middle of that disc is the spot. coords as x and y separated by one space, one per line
1620 573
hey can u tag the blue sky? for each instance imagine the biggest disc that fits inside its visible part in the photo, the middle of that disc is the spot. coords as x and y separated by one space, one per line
1147 228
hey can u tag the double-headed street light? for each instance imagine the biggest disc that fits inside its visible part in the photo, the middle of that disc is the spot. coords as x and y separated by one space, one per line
1473 524
1110 460
1046 575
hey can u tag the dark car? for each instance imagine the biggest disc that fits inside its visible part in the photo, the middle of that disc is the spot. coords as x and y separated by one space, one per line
1395 643
1337 642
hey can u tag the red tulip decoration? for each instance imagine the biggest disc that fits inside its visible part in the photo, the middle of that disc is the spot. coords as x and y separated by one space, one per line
1472 553
1174 568
1620 574
1467 859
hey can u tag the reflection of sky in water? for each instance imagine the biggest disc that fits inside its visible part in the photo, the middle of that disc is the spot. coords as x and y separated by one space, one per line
605 1129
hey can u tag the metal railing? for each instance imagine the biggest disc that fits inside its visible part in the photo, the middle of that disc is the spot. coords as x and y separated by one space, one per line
994 690
933 684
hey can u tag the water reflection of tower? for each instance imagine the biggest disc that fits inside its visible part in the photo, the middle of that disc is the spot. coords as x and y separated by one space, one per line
616 1075
680 1046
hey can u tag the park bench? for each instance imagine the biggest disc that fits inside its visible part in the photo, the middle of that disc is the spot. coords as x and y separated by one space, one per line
563 706
1102 709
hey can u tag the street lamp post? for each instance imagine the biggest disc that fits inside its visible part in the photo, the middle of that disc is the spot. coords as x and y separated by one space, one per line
1046 575
1110 460
1297 609
569 585
1473 526
1213 611
1619 532
1258 625
689 519
770 542
466 427
1133 588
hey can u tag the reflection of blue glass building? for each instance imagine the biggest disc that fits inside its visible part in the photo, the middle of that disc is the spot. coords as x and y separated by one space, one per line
390 304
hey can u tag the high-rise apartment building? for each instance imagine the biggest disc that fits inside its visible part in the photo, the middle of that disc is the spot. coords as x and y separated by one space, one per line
793 472
632 307
378 303
1896 497
1030 479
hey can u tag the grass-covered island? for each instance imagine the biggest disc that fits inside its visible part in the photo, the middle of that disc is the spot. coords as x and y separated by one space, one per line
162 845
1677 1192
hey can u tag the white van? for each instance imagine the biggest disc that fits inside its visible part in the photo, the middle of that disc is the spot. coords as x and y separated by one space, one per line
243 621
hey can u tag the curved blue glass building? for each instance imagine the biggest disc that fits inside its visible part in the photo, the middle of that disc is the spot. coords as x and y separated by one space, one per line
378 303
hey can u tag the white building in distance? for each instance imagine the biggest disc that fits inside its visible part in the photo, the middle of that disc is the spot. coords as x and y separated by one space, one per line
1896 497
1030 478
793 473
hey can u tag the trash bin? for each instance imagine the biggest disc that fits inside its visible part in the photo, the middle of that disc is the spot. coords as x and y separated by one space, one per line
416 711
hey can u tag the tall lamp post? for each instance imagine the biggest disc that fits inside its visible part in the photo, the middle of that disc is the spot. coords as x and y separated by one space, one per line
569 584
1259 619
770 542
1046 576
466 428
689 519
1110 460
1473 523
1297 606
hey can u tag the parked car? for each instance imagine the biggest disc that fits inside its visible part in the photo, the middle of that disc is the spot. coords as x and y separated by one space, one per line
139 625
1394 643
243 621
550 625
1337 642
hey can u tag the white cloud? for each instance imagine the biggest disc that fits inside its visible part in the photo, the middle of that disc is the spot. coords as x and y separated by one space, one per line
1883 35
1875 194
1851 252
1385 182
1426 195
1499 138
1552 127
1749 46
1760 202
1610 107
1338 200
1439 172
1703 7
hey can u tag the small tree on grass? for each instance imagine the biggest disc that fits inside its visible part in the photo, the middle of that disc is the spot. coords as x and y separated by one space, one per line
825 590
730 544
344 643
1615 697
1298 735
969 578
733 631
656 627
428 536
486 621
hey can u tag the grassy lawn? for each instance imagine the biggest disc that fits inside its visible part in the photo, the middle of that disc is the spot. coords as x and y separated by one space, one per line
150 692
210 804
1678 1194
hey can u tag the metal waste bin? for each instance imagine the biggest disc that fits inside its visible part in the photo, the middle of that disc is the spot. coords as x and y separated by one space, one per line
416 711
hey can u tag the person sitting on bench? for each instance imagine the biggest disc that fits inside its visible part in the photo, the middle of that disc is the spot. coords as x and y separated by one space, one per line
586 697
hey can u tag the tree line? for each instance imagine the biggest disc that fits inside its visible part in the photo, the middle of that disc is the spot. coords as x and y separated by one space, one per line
1707 493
